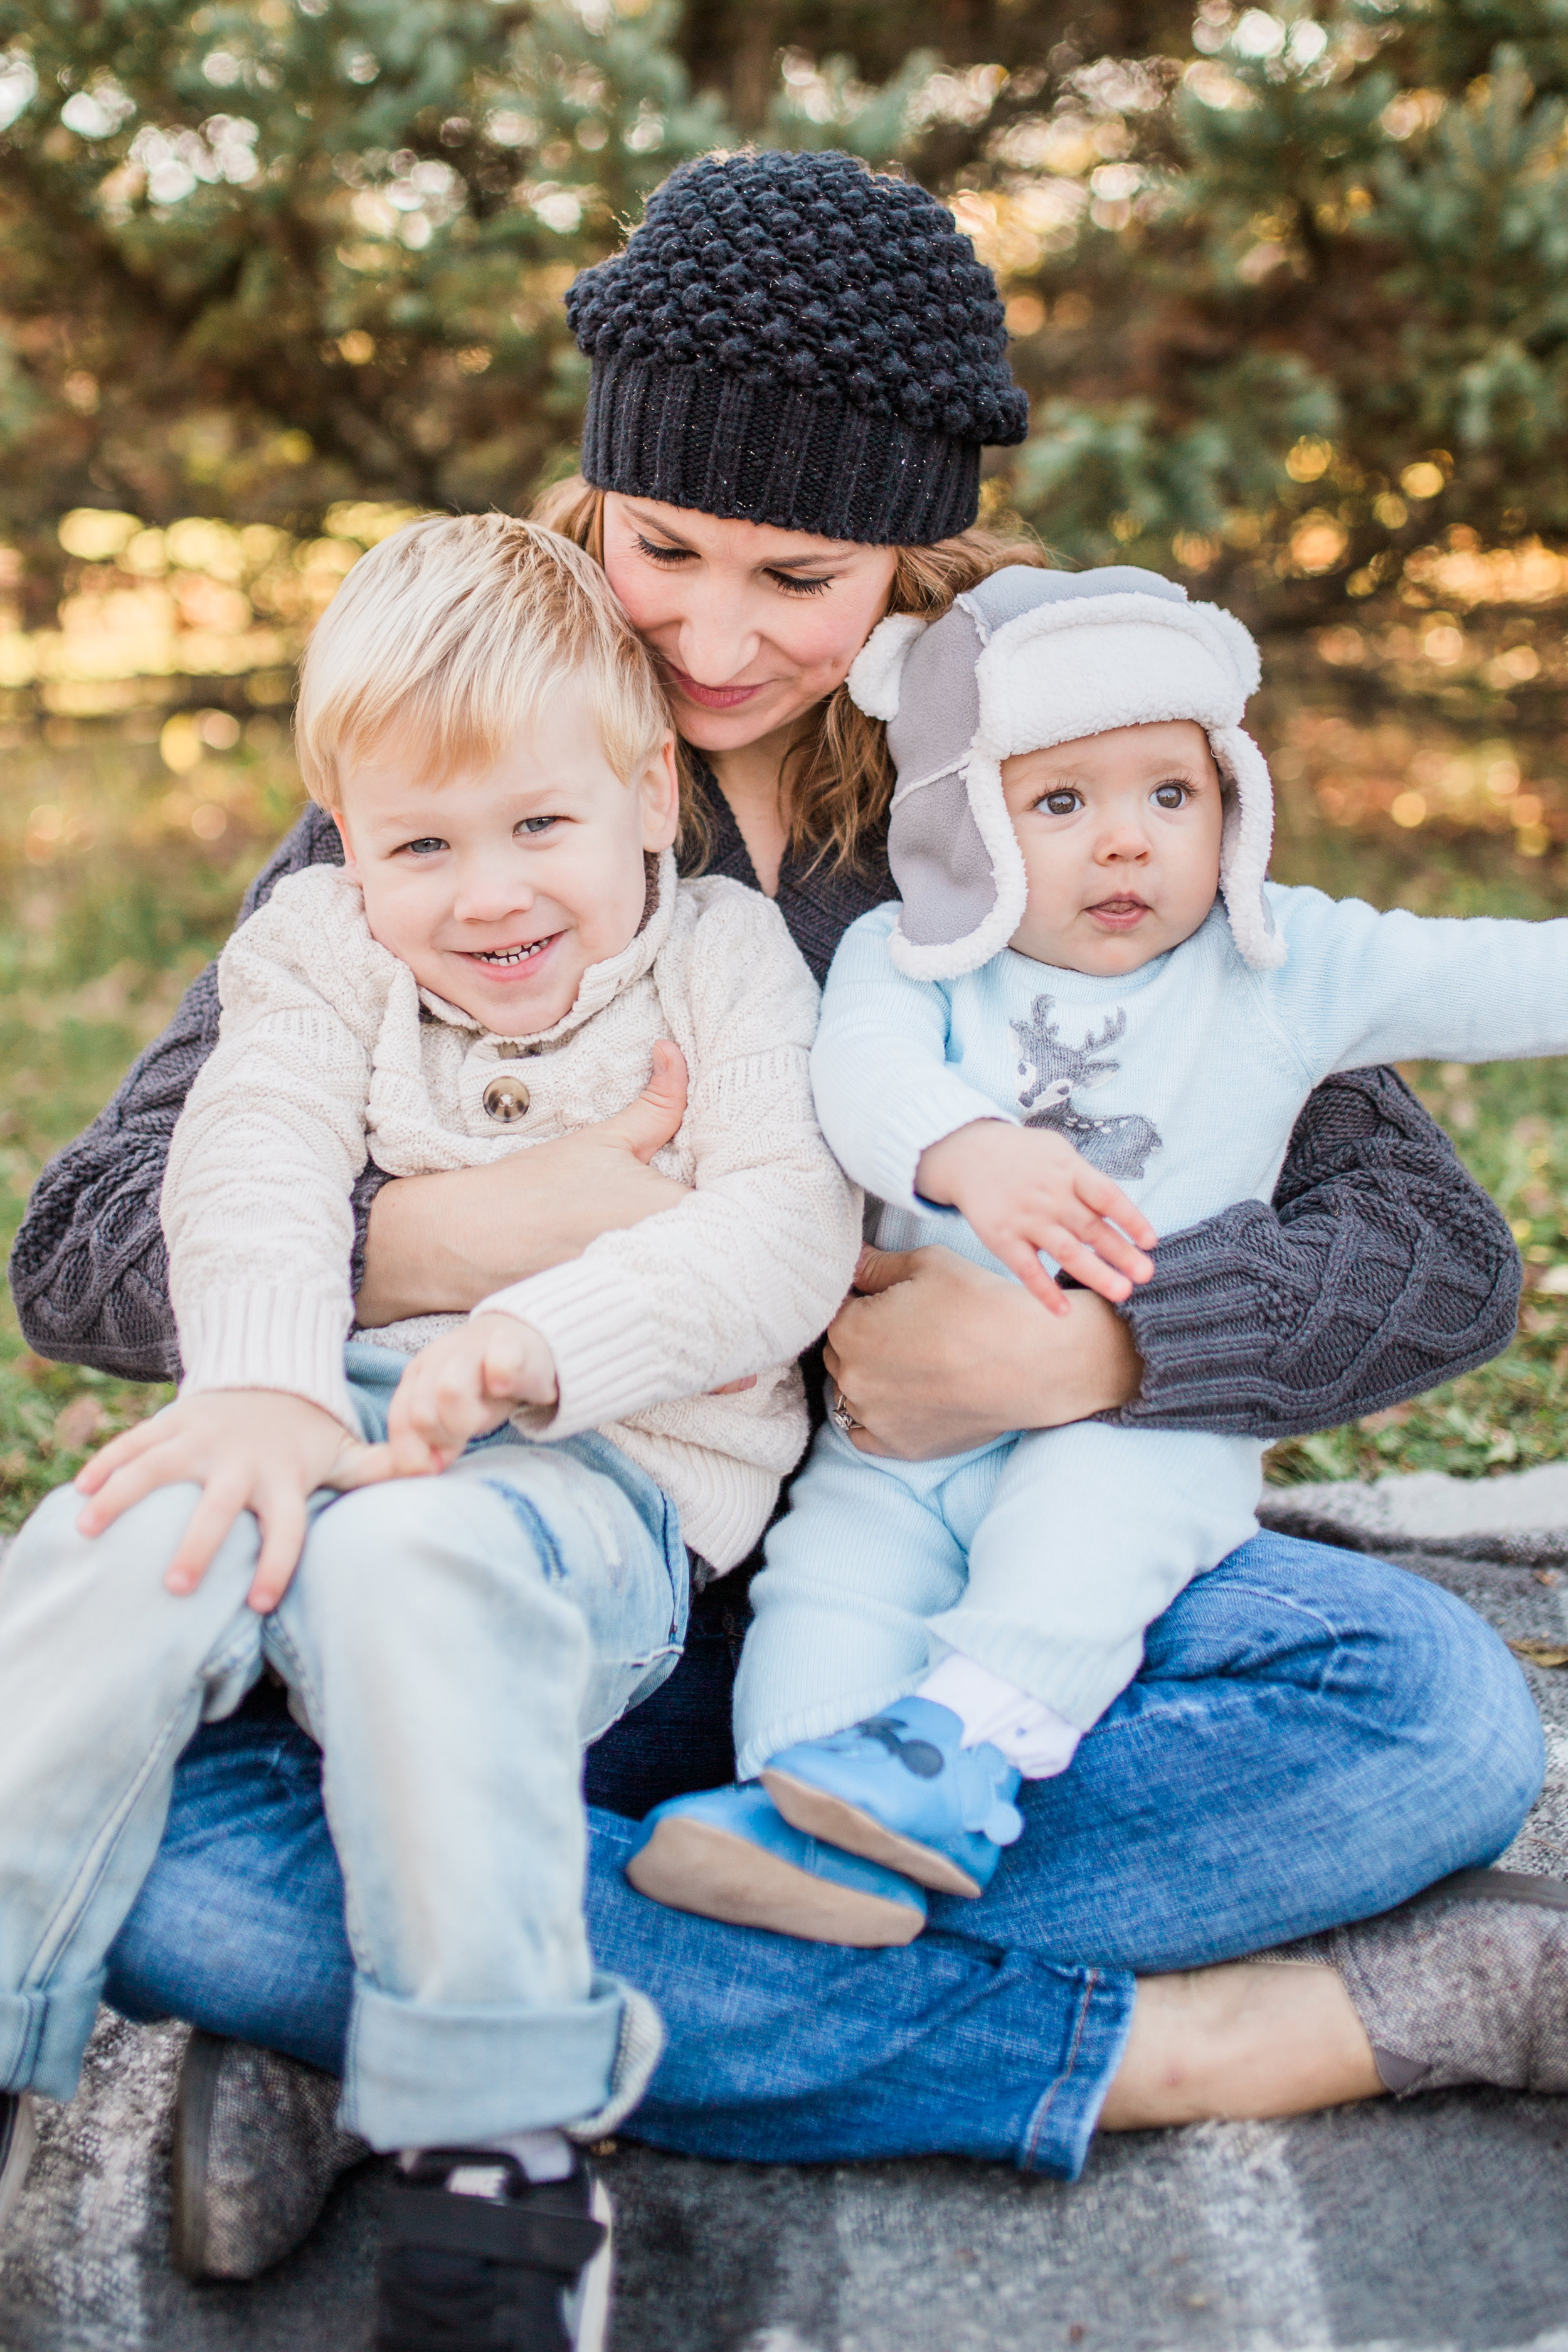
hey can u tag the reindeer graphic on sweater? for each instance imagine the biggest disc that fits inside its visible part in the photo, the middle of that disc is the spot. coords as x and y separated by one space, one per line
1117 1146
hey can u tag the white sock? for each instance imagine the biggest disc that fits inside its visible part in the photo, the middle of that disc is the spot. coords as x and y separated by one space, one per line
543 2156
1032 1736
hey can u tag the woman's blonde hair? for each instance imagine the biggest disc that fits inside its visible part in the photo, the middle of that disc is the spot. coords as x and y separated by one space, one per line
839 775
452 635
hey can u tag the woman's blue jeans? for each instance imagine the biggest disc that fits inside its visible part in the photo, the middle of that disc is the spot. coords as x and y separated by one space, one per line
1314 1736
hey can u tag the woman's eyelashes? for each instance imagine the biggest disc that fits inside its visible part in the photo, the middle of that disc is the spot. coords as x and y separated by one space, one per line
798 587
670 557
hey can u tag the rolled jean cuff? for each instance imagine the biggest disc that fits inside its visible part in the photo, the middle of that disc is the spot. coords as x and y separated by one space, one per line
43 2035
1056 2135
423 2076
954 2051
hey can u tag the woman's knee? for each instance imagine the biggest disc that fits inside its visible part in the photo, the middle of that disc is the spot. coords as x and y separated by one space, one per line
1435 1682
1478 1713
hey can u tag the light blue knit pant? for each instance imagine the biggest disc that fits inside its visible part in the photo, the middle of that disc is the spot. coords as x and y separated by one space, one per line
1043 1557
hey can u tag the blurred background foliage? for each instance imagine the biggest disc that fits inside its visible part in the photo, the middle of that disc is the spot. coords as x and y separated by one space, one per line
1287 287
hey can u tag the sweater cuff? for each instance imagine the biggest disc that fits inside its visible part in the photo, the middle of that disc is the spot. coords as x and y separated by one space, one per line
269 1339
610 1358
938 1110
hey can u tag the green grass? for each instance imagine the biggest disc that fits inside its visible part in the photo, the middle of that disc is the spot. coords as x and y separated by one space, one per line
118 879
109 904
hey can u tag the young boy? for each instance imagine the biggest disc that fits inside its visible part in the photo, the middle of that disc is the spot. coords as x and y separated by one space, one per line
505 957
1089 985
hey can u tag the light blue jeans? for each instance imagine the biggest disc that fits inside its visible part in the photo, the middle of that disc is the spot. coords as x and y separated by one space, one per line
453 1643
1044 1557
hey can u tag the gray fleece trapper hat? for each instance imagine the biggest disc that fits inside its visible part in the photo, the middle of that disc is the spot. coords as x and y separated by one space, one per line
1025 660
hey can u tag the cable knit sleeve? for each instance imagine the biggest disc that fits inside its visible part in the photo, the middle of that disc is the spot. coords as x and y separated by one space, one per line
1381 1270
745 1272
256 1200
90 1272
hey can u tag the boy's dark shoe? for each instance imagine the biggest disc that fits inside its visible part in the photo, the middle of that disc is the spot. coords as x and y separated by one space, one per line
477 2258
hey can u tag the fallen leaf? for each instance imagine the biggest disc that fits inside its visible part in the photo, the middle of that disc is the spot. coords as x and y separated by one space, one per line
1548 1576
1542 1654
78 1423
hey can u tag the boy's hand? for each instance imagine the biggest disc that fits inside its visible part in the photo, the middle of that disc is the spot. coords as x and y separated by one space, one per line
462 1385
249 1450
1024 1190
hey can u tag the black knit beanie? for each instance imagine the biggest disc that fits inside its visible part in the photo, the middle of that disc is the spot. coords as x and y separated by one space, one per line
796 339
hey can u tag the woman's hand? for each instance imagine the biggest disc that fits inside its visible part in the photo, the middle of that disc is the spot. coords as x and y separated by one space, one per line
438 1245
934 1355
258 1450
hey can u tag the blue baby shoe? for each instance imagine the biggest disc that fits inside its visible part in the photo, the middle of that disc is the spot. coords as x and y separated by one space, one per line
901 1790
725 1853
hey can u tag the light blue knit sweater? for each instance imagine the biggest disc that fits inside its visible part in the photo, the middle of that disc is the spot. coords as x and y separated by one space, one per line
1182 1080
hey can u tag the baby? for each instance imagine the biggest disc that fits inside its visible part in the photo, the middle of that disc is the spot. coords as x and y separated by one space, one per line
505 957
1092 1019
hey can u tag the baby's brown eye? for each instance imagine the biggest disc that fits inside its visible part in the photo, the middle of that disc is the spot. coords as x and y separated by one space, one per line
1171 796
1059 803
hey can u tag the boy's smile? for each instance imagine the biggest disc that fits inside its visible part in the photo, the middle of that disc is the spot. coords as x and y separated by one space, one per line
500 887
1120 838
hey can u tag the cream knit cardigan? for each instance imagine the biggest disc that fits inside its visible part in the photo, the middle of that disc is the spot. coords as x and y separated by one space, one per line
328 1051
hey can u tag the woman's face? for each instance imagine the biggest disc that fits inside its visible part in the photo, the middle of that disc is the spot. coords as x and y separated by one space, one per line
752 625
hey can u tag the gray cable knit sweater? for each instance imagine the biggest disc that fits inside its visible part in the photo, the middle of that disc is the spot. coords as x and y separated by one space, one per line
1379 1269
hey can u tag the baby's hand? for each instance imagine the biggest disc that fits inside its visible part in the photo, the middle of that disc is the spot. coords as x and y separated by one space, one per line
462 1385
1024 1190
255 1450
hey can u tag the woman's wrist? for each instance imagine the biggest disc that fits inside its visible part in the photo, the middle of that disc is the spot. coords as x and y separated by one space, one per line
938 1355
438 1244
429 1249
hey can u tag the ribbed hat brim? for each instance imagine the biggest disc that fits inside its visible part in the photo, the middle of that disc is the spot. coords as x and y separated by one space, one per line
759 452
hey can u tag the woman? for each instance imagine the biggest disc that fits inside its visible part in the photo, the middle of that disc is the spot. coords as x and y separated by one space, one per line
795 363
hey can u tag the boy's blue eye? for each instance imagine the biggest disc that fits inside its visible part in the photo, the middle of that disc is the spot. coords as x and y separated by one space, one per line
426 846
532 824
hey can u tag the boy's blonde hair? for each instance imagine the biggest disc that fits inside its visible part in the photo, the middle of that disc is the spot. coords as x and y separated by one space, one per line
452 635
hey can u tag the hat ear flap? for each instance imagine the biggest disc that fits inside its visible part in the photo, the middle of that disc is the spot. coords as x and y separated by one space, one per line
876 674
1245 842
959 870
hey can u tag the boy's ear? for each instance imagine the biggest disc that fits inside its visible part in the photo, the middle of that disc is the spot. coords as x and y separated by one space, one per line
349 866
659 787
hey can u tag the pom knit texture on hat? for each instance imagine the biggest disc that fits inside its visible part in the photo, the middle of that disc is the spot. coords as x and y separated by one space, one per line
798 341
